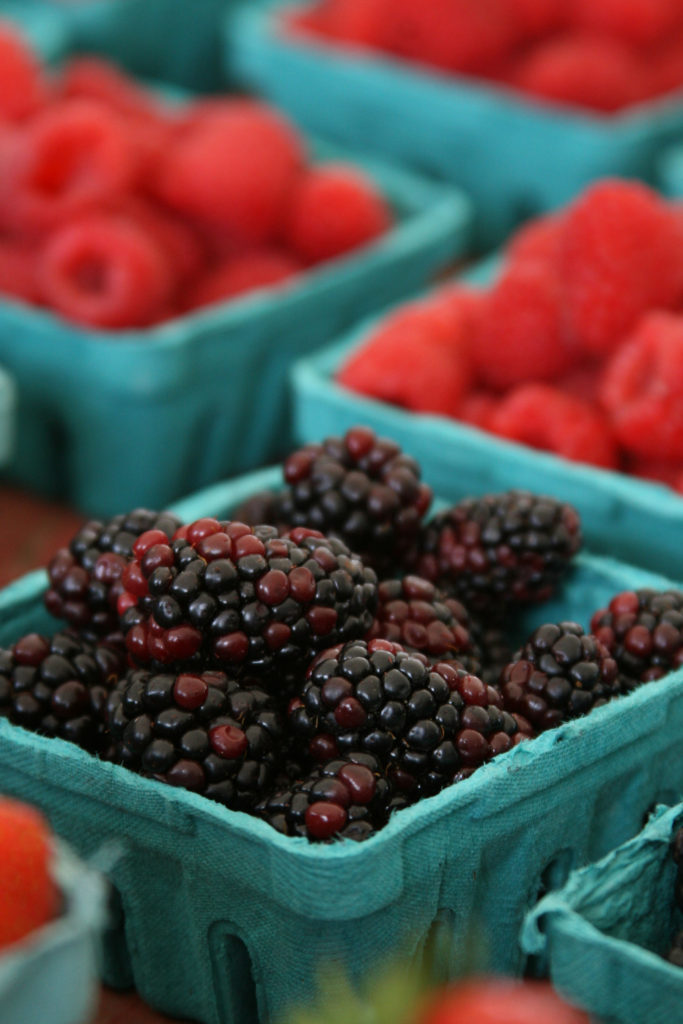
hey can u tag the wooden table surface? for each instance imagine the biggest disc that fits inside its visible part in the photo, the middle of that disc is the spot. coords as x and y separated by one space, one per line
31 530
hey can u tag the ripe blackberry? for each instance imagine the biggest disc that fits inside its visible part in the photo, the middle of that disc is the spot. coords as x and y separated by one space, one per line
643 629
229 596
85 578
59 686
202 731
423 722
258 508
413 613
359 488
346 798
560 673
500 549
493 649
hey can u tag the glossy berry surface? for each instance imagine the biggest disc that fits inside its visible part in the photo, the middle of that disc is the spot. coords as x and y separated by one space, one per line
643 630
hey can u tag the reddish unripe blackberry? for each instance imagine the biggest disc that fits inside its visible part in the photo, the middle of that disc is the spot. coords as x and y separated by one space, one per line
500 549
59 686
359 488
85 578
425 723
643 630
201 731
227 595
559 674
414 613
348 797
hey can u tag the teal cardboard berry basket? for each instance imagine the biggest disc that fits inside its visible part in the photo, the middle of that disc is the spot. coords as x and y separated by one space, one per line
110 420
52 977
45 26
671 170
513 155
6 417
605 934
227 921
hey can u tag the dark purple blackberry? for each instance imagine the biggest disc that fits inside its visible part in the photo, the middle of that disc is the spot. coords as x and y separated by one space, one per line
559 674
230 596
499 550
202 731
643 629
59 686
359 488
85 578
423 722
259 508
413 613
493 650
345 798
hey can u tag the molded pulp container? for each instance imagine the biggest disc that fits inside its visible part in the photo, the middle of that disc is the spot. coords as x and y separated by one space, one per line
605 933
6 417
671 170
44 25
513 155
227 921
623 516
52 978
111 420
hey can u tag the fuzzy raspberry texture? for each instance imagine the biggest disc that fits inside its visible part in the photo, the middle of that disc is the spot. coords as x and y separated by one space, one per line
490 1001
28 892
119 210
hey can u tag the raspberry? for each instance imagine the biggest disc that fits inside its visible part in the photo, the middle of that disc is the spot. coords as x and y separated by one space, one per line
23 86
643 389
539 239
639 22
545 417
95 79
17 270
361 22
535 18
667 473
665 68
332 210
183 246
28 892
478 408
582 70
387 366
234 168
456 35
104 271
521 336
621 257
72 158
263 268
491 1001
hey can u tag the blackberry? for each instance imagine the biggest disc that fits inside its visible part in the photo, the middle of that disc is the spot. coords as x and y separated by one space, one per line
345 798
499 550
643 629
413 613
559 674
202 731
361 489
85 577
229 596
422 722
493 649
59 686
261 507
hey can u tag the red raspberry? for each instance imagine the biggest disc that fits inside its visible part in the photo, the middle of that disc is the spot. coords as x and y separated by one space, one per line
639 22
334 209
361 22
583 381
621 256
669 473
535 18
73 157
665 67
184 248
262 268
492 1001
582 70
17 270
538 239
234 168
104 271
95 79
28 893
544 417
23 85
479 409
417 358
521 335
643 389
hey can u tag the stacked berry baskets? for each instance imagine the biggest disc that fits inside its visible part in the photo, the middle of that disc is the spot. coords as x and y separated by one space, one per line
157 290
366 747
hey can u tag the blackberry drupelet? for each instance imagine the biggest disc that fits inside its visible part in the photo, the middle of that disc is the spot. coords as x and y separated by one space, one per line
348 797
59 686
423 722
643 629
499 550
413 613
228 596
559 674
85 577
202 731
359 488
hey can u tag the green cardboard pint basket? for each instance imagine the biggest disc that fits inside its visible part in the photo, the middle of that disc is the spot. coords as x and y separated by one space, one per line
226 921
45 26
6 417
